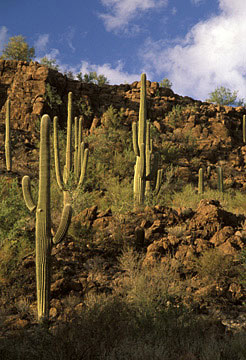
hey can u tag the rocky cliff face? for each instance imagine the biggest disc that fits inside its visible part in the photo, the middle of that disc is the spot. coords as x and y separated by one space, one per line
25 84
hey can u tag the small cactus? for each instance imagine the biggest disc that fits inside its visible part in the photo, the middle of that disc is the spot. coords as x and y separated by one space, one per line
7 138
44 240
201 181
220 179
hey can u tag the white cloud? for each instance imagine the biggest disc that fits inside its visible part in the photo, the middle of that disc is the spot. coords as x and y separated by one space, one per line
212 54
52 54
121 12
68 37
41 43
3 37
114 75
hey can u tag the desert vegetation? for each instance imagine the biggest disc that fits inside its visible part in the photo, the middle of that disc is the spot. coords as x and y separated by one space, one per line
162 277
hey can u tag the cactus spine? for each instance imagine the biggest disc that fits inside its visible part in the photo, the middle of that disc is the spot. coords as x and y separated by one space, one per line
80 153
7 138
44 240
220 179
143 146
244 129
201 181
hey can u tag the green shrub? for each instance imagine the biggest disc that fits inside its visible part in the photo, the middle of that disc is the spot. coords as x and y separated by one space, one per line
52 98
175 116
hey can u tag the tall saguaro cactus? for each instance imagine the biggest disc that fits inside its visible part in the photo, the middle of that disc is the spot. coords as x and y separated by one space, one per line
80 153
142 145
44 240
7 138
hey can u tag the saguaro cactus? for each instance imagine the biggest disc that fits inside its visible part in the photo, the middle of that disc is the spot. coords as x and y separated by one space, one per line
44 240
80 153
7 138
142 145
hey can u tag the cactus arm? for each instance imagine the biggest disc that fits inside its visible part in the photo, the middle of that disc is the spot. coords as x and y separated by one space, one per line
148 159
142 112
79 147
7 138
26 189
142 167
158 181
57 156
135 182
69 139
76 147
64 224
134 139
84 161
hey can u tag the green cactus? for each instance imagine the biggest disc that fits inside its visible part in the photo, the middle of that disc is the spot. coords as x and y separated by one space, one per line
44 240
7 138
244 129
201 181
220 179
80 154
143 148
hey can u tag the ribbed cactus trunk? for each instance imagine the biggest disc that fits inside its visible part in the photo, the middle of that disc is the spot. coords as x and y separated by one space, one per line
7 138
43 224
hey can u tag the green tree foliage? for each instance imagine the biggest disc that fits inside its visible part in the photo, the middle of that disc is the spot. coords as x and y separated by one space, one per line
69 74
51 63
166 83
93 78
17 49
224 96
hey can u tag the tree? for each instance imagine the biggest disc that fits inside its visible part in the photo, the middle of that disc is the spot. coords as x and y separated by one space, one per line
102 80
224 96
69 74
18 49
51 63
93 78
166 83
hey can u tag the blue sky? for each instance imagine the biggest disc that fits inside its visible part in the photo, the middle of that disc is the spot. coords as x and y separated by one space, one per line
197 44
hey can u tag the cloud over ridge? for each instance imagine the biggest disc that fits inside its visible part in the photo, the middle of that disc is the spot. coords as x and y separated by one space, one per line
211 54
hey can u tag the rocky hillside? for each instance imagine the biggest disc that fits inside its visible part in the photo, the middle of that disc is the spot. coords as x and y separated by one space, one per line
188 134
203 134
